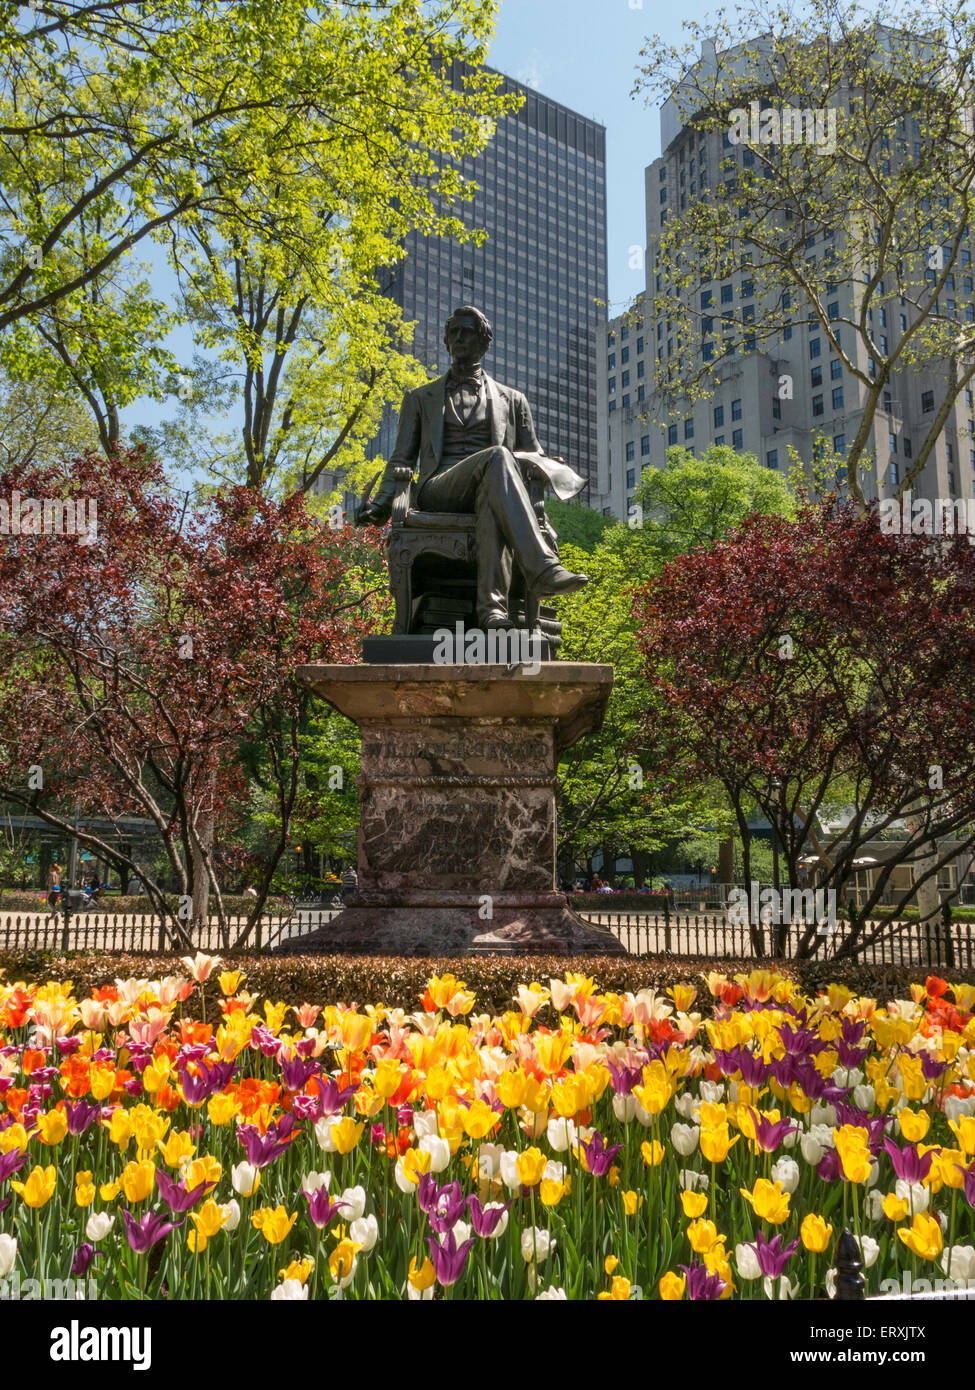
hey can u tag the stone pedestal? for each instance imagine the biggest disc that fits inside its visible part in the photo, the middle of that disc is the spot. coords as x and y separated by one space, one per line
457 831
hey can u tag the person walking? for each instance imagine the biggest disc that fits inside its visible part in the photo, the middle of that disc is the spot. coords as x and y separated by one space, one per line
54 886
350 883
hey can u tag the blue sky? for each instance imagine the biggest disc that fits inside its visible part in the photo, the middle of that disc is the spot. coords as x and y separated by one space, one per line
584 54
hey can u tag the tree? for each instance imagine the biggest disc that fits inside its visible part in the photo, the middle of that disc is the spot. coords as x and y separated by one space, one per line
576 525
879 228
836 662
279 152
140 665
39 424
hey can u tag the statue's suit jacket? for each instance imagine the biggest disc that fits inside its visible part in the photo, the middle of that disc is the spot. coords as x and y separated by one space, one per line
419 439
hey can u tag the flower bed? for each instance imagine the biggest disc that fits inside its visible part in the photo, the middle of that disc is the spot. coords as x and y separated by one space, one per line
577 1143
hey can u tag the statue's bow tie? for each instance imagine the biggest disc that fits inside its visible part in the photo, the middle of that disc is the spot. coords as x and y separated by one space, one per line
472 380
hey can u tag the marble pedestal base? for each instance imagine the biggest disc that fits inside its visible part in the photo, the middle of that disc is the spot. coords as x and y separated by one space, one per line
457 834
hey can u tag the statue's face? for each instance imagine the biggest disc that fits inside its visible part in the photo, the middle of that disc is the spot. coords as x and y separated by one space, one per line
465 341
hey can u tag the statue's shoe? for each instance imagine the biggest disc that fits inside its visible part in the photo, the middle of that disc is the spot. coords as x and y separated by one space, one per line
558 580
495 619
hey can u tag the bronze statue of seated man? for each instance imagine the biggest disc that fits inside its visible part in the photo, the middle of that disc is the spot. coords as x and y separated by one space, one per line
469 438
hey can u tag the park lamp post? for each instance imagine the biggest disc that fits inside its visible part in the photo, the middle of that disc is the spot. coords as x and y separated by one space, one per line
773 788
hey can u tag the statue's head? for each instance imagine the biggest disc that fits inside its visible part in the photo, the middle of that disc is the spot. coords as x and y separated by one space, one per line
467 333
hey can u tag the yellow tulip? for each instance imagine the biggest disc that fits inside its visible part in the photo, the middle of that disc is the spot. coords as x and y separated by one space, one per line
52 1127
914 1125
964 1129
13 1137
702 1235
631 1202
768 1201
715 1143
855 1157
138 1180
108 1191
653 1152
913 1080
148 1127
531 1166
209 1220
479 1119
694 1203
551 1191
570 1095
895 1208
415 1162
229 981
221 1109
949 1165
923 1238
356 1031
619 1291
102 1082
38 1188
341 1262
298 1269
815 1233
672 1286
84 1189
155 1075
346 1134
273 1223
177 1149
423 1277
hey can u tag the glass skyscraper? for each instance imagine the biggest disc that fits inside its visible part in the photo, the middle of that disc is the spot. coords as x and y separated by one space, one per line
540 276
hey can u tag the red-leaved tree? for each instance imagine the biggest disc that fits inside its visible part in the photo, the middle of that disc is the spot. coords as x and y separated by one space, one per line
135 661
839 663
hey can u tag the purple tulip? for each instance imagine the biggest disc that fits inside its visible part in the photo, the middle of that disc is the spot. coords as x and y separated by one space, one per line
427 1192
9 1163
331 1096
43 1075
197 1087
133 1087
176 1195
377 1135
969 1182
932 1067
264 1039
447 1208
295 1071
68 1045
829 1167
701 1285
771 1255
143 1235
909 1165
484 1221
320 1209
80 1115
624 1078
263 1149
404 1115
448 1259
83 1257
770 1134
599 1158
800 1042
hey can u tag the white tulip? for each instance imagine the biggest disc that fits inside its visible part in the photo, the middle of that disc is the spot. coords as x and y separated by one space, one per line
460 1230
786 1289
502 1225
869 1250
712 1091
438 1149
694 1182
551 1295
791 1139
874 1205
98 1225
509 1170
323 1133
822 1114
245 1178
489 1160
873 1175
231 1214
355 1203
561 1134
746 1262
291 1290
402 1181
365 1232
812 1149
420 1295
958 1262
916 1195
830 1282
684 1138
536 1244
848 1078
864 1097
553 1171
424 1122
786 1171
686 1104
8 1254
624 1108
313 1182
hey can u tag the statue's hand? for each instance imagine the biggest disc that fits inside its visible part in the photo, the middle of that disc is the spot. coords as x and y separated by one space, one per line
373 514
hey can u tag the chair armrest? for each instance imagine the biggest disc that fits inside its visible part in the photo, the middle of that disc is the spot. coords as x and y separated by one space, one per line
401 497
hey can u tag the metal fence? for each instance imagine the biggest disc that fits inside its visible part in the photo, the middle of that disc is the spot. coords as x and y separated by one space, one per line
705 936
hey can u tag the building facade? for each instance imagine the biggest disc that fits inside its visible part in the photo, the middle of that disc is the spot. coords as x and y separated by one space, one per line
748 410
540 275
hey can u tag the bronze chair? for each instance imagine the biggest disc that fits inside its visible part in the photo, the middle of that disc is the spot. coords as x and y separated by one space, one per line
433 567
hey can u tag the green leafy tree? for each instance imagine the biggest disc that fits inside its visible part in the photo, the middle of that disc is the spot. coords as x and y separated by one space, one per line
576 525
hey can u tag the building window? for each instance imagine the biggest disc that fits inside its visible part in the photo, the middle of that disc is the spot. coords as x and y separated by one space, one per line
776 408
612 385
630 454
631 477
908 448
892 473
816 376
671 434
927 401
736 410
645 445
707 351
839 443
950 452
718 416
625 378
736 438
688 429
815 347
772 458
951 483
641 369
641 393
719 439
892 443
837 397
625 354
817 405
727 294
706 299
835 369
611 362
612 405
626 402
639 346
